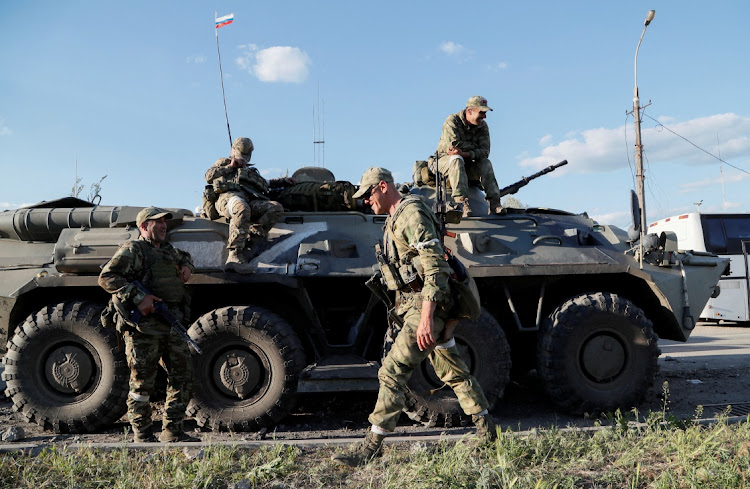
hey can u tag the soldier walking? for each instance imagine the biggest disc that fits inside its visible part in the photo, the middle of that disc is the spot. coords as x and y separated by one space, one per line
411 232
464 151
163 270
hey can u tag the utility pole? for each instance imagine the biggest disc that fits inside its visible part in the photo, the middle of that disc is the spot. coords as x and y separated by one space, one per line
638 146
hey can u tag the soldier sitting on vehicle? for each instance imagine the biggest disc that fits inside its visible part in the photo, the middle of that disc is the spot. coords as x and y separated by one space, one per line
239 193
463 153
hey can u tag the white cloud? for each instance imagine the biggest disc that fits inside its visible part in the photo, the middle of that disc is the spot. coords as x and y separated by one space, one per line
4 130
275 64
612 218
545 140
451 48
603 150
6 206
197 59
701 184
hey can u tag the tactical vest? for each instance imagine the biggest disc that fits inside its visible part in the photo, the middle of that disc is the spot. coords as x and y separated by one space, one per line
405 273
317 197
247 179
160 274
402 273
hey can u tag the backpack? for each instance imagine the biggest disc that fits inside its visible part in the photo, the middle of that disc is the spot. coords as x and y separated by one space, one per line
317 197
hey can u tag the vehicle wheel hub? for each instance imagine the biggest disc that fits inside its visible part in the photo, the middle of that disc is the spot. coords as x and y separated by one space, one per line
68 369
238 373
603 357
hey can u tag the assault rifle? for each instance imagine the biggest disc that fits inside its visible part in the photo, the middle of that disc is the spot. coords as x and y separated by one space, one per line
375 284
163 313
515 187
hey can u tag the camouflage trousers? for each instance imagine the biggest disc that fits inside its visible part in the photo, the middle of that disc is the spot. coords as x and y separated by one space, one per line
459 174
145 353
247 217
405 356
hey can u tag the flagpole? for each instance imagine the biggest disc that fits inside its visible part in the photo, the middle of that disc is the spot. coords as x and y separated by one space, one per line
221 75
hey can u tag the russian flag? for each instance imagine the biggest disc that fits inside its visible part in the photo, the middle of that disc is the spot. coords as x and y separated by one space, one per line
226 20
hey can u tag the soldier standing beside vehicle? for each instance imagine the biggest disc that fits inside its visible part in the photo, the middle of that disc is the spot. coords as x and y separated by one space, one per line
241 195
413 246
163 270
463 153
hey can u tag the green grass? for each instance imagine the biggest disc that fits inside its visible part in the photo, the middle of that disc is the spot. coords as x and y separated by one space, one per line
662 453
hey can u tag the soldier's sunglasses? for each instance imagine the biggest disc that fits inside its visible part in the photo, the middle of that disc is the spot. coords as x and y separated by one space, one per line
367 194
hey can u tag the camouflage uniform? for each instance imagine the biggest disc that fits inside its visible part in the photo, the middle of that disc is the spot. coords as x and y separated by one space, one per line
242 199
151 340
474 140
415 234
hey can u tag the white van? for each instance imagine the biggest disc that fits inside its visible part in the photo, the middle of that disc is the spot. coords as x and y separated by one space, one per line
727 235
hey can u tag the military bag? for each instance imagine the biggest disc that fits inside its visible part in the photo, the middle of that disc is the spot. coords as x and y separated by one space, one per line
317 197
466 301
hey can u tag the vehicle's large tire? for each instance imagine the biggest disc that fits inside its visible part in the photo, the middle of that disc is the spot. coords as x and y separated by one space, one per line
597 352
65 371
246 377
486 352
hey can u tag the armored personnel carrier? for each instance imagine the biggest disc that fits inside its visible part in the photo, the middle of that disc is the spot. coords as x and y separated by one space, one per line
575 299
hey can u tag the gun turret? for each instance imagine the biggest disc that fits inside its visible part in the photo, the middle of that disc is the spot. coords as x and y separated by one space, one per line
515 187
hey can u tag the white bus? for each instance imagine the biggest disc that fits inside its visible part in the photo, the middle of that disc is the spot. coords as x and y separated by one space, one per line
727 235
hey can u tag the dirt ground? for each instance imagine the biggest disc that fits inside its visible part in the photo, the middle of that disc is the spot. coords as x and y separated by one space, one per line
524 406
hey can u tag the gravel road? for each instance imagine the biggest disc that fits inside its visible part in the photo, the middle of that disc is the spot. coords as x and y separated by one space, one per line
697 372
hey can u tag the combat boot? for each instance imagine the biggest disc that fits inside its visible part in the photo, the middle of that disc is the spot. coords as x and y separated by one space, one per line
496 206
368 449
144 436
464 201
486 428
235 256
169 436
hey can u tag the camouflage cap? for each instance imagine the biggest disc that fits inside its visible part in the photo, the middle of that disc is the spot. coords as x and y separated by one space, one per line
150 213
372 176
479 102
244 146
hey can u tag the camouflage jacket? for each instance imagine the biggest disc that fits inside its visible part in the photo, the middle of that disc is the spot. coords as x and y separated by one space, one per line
130 263
412 232
466 137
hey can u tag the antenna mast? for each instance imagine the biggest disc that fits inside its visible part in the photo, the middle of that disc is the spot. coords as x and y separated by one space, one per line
319 155
721 172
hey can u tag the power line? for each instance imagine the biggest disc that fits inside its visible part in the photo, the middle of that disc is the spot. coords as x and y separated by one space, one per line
689 141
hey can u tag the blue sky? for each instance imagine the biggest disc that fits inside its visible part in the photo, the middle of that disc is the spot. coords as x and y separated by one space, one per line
131 90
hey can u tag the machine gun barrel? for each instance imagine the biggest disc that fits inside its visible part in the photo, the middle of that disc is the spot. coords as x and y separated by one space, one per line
161 311
515 187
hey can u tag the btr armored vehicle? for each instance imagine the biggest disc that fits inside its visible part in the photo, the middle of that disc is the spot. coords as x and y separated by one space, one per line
577 300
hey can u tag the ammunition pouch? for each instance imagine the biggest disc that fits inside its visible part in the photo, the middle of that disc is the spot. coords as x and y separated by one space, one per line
392 277
220 185
251 177
209 202
115 315
403 277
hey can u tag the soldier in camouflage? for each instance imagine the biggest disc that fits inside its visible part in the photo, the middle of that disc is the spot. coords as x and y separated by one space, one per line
163 270
463 153
411 240
242 197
